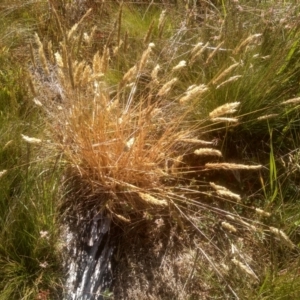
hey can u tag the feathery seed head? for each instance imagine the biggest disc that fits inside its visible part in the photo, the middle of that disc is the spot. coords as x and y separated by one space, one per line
59 60
231 166
167 87
230 79
152 200
228 227
180 65
31 140
245 268
229 194
283 237
130 74
229 120
208 151
228 108
262 212
192 92
291 101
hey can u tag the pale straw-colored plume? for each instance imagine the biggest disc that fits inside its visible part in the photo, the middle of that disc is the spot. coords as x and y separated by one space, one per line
31 140
291 101
283 237
197 53
224 192
104 60
64 54
192 92
208 152
37 102
210 57
224 73
72 31
117 48
223 119
147 198
86 75
130 74
74 27
262 212
195 141
250 226
97 63
229 194
59 60
245 268
196 48
267 117
154 73
148 33
88 38
167 87
227 108
228 227
2 173
145 57
162 19
42 56
247 41
230 79
231 166
129 144
78 72
180 65
218 187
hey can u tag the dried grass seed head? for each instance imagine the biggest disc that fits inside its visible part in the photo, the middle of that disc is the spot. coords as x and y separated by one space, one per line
267 117
283 237
224 73
230 79
180 65
262 212
167 87
228 108
208 152
30 140
228 227
222 119
192 92
217 187
229 194
59 60
245 268
130 74
231 166
145 56
162 19
42 55
149 199
291 101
